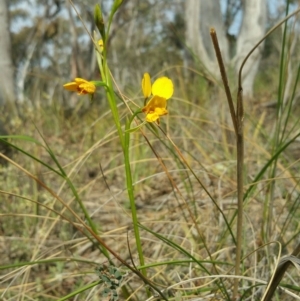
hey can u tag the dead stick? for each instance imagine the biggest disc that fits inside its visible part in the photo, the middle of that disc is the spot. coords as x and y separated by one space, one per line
214 38
237 120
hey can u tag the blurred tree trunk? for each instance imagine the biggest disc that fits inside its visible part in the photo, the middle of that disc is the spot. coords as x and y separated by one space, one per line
201 15
7 89
252 30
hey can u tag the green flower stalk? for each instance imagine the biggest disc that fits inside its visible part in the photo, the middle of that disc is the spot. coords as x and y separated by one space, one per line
156 96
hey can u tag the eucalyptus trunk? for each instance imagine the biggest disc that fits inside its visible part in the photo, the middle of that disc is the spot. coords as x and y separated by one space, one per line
201 15
7 89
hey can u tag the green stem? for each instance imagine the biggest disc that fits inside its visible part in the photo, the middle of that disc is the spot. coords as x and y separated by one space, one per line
130 192
240 187
110 94
124 139
277 141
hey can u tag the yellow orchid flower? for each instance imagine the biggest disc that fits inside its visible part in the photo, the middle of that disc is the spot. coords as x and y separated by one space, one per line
162 90
155 108
81 86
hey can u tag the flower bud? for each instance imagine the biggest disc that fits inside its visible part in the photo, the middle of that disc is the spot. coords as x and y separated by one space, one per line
101 46
116 5
98 18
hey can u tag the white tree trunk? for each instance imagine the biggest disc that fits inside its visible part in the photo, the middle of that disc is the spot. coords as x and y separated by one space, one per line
252 30
7 89
201 15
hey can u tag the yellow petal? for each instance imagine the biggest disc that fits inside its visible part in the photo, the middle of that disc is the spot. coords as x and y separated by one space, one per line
87 88
79 80
155 108
161 111
163 87
71 86
154 103
151 117
146 85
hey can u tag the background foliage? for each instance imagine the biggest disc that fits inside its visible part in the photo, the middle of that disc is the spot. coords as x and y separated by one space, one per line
50 43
